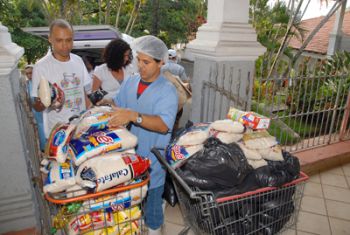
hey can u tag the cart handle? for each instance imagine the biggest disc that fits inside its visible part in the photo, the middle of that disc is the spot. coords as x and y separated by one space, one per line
173 173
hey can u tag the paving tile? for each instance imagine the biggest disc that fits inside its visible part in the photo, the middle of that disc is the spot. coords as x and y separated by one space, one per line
173 215
333 179
346 169
313 189
337 170
171 229
336 193
308 222
340 227
304 233
315 178
338 209
289 232
314 205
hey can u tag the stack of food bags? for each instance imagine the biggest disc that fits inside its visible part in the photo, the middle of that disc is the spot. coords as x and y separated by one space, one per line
248 130
86 156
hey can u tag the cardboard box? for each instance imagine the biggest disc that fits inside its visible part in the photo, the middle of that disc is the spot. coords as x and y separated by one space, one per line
255 121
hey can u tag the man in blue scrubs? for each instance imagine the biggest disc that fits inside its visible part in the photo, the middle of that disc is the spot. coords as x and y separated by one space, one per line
149 101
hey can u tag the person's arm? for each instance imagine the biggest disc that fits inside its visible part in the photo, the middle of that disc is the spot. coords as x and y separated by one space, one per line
150 122
88 103
37 105
96 83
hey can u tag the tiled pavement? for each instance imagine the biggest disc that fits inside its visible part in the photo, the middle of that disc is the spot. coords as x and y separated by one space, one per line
325 207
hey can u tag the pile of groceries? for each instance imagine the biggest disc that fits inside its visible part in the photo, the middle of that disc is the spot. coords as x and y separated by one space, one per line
96 169
234 156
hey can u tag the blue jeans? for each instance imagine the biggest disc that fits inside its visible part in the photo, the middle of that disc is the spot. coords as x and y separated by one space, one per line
154 216
40 124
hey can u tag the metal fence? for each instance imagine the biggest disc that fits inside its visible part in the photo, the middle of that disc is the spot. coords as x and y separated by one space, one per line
306 111
33 156
223 90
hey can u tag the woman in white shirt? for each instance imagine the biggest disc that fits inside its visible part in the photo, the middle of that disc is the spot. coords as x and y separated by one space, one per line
109 76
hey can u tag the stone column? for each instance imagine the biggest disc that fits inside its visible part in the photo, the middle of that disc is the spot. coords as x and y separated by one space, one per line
16 204
224 52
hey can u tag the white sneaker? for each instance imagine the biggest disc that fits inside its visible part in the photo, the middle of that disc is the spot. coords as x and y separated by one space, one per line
154 232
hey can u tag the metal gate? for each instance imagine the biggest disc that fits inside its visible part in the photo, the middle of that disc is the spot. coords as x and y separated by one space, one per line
306 111
221 91
33 155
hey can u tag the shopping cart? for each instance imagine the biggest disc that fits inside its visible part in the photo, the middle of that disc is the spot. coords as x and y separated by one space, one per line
264 211
114 211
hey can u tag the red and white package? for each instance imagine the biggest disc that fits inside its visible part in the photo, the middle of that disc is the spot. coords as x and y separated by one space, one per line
255 121
83 223
110 170
57 144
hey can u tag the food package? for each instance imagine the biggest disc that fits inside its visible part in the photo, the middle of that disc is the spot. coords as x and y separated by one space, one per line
120 201
110 170
75 191
257 163
94 118
82 223
273 153
259 140
226 137
227 125
126 223
176 155
249 119
250 154
51 95
255 121
99 141
57 143
60 177
235 114
194 135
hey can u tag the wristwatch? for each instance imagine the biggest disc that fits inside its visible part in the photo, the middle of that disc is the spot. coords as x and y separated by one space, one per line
139 118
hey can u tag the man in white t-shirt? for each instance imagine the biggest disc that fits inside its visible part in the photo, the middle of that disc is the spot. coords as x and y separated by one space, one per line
65 69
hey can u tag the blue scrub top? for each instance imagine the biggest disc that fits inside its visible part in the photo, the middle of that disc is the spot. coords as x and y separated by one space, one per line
159 98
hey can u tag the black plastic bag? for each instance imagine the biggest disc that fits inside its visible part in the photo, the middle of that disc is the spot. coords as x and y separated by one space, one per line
169 193
277 173
220 164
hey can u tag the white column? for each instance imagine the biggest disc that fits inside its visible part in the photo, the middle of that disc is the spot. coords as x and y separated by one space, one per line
227 42
227 34
16 204
335 36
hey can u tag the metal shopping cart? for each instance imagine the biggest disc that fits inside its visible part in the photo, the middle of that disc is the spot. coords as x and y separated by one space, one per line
264 211
114 211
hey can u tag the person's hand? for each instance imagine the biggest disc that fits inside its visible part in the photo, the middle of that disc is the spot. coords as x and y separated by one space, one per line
106 102
122 117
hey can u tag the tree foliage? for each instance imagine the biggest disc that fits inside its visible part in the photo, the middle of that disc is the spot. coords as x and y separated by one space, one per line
24 13
172 20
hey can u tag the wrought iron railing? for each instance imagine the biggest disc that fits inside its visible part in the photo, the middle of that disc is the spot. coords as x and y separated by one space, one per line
306 111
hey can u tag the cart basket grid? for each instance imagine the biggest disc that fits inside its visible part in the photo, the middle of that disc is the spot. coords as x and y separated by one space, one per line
118 210
267 210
